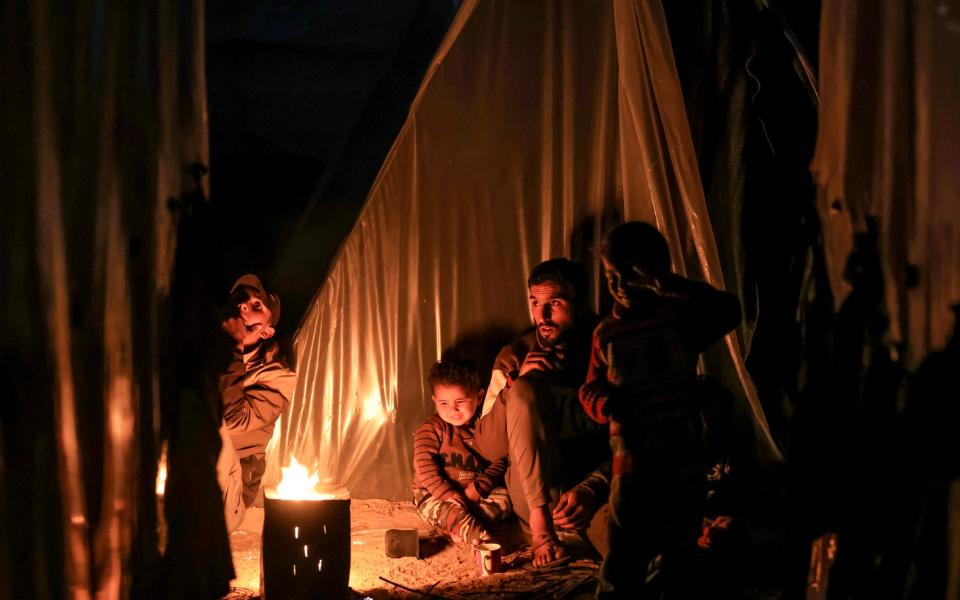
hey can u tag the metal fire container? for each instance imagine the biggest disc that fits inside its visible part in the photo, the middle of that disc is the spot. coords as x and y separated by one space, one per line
305 549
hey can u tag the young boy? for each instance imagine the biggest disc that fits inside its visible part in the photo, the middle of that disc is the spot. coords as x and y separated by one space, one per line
455 489
257 386
642 380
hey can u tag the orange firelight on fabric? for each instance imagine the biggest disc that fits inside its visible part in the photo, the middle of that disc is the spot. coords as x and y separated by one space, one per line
161 482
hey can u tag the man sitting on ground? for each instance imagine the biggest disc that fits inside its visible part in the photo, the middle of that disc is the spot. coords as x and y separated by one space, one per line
532 413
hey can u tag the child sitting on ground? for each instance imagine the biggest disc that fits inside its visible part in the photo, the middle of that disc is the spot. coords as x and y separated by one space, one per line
642 380
455 489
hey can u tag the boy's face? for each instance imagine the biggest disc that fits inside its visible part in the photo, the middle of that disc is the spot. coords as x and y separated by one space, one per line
255 314
552 311
627 284
455 404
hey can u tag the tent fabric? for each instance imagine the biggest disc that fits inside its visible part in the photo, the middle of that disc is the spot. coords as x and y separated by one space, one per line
104 105
654 130
887 142
537 128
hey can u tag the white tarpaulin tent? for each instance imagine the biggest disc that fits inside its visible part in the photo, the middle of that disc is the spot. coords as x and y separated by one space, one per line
537 127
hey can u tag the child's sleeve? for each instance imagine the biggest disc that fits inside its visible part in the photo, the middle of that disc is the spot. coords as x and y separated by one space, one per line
426 462
491 476
596 391
709 314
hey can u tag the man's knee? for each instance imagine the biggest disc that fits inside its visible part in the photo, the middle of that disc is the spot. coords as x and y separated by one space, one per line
522 395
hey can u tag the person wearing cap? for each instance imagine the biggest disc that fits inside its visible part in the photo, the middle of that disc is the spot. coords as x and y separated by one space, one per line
256 387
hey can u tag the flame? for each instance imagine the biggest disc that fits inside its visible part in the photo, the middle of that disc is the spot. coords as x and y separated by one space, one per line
297 485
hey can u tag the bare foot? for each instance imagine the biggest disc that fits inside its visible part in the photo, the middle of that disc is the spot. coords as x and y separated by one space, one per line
545 545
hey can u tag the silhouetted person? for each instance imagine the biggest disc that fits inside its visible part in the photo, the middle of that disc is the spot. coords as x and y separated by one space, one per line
865 438
642 380
933 412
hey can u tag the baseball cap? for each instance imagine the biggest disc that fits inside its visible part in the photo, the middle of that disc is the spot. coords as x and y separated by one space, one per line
271 300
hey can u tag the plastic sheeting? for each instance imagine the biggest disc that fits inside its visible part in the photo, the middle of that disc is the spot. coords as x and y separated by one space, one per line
887 149
538 127
655 133
104 105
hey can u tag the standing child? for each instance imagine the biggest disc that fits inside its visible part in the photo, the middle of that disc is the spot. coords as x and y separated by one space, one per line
455 489
256 387
642 380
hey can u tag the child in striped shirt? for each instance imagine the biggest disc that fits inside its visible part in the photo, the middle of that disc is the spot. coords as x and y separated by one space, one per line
455 489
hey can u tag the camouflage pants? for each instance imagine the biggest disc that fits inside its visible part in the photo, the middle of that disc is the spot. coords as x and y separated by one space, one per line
463 525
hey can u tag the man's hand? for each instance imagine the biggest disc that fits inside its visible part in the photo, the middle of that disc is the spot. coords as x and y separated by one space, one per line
540 361
471 493
574 509
236 329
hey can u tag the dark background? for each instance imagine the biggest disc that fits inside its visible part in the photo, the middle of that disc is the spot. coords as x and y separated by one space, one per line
305 100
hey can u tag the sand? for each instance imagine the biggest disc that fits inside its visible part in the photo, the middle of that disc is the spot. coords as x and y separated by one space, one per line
449 571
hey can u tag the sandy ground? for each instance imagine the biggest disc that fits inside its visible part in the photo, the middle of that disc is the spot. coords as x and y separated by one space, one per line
448 572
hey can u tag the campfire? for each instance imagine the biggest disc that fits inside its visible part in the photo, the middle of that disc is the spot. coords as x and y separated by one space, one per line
297 485
305 549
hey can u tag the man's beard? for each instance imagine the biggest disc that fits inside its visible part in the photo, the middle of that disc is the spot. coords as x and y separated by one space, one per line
557 339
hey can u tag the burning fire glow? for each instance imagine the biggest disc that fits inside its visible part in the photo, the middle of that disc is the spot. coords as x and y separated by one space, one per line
296 484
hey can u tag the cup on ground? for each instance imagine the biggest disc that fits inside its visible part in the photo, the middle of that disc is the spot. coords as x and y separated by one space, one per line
488 558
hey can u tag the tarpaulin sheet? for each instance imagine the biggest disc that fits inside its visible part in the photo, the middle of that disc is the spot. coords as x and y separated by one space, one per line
887 150
104 105
538 127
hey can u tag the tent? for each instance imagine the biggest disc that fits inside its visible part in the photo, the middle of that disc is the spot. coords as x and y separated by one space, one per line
536 127
523 143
